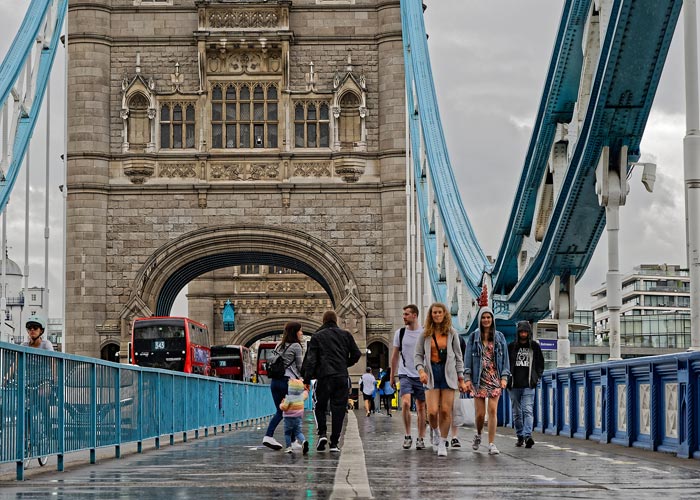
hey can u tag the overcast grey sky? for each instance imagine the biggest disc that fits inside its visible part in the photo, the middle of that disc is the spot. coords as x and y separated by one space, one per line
489 60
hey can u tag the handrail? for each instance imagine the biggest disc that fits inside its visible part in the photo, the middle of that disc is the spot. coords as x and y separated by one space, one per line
648 403
53 403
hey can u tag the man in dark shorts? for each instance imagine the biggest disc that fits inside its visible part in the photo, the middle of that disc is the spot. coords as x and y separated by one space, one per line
402 369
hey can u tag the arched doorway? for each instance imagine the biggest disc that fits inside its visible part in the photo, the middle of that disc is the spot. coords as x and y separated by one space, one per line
109 352
377 356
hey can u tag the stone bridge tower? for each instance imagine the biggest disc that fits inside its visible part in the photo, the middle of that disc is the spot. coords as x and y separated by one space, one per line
205 134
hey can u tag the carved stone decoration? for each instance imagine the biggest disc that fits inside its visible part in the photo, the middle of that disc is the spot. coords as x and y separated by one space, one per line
138 170
239 62
312 169
350 169
263 171
180 170
227 172
235 18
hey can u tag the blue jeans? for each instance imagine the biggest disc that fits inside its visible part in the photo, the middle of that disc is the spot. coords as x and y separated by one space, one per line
523 404
278 387
292 430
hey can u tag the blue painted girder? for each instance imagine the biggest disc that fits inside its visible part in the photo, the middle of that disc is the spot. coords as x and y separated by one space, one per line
10 70
633 53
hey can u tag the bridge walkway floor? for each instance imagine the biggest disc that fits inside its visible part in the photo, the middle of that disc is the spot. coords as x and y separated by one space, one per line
371 464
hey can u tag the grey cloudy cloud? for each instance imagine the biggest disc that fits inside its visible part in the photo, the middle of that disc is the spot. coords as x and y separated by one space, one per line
489 60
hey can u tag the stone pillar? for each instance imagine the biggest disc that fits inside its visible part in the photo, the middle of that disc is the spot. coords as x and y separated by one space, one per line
392 168
88 108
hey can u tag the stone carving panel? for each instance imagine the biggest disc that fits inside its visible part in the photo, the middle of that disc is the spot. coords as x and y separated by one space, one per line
312 169
178 170
263 171
243 19
227 172
244 62
244 171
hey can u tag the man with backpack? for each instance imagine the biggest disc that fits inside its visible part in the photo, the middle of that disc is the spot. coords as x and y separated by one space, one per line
403 369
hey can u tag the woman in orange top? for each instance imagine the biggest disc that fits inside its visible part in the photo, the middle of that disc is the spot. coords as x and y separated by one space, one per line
440 366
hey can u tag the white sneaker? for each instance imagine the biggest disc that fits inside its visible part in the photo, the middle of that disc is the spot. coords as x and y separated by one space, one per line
493 450
296 446
435 437
272 443
442 449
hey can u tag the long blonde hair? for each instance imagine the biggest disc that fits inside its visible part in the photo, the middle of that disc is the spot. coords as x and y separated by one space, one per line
431 328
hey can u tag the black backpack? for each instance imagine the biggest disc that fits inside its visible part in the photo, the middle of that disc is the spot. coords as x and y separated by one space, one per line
276 367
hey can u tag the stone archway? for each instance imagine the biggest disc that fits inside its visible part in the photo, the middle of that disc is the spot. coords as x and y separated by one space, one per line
260 329
109 351
181 260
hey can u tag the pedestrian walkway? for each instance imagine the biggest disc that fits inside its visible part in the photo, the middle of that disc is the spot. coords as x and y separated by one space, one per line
371 465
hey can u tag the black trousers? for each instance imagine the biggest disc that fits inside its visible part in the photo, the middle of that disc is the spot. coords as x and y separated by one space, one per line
335 390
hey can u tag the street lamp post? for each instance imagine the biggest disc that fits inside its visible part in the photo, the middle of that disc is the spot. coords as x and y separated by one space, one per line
691 164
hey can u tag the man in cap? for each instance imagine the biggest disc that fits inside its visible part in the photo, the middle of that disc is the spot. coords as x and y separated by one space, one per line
527 366
36 326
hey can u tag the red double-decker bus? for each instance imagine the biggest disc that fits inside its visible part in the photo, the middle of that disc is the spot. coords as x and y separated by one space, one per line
264 353
232 362
173 343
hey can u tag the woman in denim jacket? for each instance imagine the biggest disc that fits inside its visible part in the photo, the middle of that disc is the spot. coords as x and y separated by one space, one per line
486 371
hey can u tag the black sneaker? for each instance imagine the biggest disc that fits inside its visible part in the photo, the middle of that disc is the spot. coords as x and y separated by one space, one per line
305 447
455 443
529 442
520 441
322 442
334 448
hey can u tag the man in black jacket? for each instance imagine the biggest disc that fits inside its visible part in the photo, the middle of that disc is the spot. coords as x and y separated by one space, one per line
330 352
527 366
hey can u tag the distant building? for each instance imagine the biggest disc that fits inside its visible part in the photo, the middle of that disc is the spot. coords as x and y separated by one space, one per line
655 318
19 308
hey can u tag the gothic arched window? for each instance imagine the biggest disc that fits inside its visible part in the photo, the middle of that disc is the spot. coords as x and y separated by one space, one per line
139 125
350 124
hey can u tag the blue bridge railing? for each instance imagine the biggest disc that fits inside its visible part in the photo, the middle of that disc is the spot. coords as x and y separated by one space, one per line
651 403
54 403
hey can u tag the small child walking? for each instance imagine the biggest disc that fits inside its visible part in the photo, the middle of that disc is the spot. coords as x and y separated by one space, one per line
292 407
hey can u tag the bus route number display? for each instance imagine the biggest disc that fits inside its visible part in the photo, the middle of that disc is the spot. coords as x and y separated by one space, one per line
159 345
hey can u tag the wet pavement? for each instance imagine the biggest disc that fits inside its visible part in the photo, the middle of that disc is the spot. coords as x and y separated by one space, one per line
371 464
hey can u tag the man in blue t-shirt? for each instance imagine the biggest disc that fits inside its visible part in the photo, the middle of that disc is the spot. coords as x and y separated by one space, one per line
402 368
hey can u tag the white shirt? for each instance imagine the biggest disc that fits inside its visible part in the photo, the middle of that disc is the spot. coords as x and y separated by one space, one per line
408 349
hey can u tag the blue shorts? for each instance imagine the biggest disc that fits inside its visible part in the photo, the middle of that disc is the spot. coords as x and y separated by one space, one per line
411 385
439 380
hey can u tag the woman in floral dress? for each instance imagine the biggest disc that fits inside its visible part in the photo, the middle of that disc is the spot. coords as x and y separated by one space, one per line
486 371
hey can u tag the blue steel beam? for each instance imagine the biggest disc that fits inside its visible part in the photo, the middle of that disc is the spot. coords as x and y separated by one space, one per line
633 53
469 258
556 106
11 71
